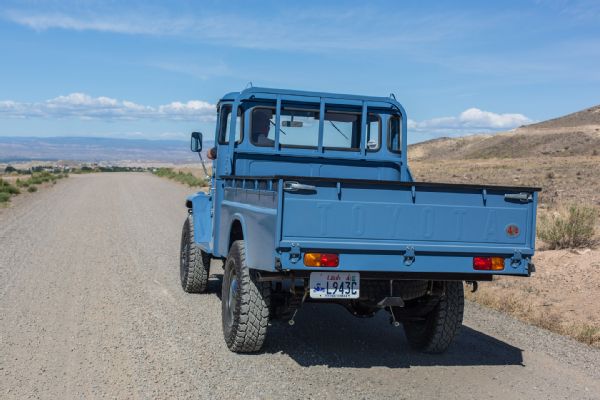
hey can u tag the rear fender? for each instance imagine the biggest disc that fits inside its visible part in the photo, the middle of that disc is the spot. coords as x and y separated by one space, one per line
200 204
254 242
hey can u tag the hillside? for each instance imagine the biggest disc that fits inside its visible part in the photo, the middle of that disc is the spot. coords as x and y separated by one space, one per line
576 134
562 155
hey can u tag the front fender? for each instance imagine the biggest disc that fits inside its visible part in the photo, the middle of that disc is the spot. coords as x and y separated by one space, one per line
201 206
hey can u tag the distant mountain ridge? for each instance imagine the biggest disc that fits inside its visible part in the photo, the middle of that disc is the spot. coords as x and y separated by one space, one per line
570 135
575 134
95 149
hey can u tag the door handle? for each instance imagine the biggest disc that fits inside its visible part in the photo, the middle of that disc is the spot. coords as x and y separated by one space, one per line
292 186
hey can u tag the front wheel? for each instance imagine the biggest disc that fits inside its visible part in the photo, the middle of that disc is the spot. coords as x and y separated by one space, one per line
244 303
194 264
436 332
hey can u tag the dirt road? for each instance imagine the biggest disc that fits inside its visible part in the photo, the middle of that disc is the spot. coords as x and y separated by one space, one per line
91 307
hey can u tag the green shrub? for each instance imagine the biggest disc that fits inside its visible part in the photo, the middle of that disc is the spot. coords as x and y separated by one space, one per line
32 189
4 197
180 176
569 229
6 187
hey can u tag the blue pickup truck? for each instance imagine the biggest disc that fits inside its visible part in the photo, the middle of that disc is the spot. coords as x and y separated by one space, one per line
311 199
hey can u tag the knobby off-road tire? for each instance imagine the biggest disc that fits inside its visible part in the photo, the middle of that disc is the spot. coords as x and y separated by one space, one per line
436 332
194 264
244 303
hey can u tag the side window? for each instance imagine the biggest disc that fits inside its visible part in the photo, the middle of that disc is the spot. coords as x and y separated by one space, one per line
373 132
395 134
262 126
226 125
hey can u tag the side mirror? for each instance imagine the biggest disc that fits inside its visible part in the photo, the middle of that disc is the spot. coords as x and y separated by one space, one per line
196 142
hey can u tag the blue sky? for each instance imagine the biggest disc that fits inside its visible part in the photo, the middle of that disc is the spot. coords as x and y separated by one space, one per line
155 69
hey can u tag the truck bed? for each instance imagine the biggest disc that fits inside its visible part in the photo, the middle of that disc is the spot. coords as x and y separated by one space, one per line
390 226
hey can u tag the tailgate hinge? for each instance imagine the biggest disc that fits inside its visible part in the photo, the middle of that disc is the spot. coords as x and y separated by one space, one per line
516 259
409 255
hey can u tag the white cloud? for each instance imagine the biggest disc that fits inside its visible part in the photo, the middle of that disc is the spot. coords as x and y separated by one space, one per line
472 120
84 106
292 30
469 122
474 117
55 20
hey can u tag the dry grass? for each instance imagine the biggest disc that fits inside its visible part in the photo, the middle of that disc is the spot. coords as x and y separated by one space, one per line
180 176
569 228
564 180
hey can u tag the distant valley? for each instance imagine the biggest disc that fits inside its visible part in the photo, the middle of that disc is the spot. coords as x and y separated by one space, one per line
91 149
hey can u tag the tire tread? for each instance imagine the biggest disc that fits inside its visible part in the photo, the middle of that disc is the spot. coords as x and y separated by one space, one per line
198 265
442 324
251 315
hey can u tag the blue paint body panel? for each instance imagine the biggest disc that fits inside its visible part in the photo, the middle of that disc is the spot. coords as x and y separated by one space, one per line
362 203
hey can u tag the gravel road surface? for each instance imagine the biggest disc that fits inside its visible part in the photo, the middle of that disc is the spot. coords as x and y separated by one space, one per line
91 307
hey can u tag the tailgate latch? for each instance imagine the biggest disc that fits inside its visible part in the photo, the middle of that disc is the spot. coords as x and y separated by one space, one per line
522 197
409 255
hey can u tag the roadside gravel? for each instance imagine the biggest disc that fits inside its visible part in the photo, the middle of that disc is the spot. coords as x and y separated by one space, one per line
91 307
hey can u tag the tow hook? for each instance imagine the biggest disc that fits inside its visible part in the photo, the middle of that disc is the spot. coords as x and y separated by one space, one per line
392 301
291 322
473 284
393 319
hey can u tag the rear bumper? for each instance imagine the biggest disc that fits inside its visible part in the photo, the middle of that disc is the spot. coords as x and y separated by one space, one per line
425 265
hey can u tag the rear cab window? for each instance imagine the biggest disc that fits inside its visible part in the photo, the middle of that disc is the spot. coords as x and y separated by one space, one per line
299 127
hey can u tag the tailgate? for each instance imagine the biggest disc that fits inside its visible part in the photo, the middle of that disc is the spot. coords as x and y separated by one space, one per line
391 216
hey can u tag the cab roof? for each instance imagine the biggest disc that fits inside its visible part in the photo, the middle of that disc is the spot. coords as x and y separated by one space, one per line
301 95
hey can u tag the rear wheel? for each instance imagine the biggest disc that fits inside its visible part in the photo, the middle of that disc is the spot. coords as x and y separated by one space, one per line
244 303
194 264
436 332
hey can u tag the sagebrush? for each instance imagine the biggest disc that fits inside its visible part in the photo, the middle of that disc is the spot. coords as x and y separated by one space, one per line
569 228
180 176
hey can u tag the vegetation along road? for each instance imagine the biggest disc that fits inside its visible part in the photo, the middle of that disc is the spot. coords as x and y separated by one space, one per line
91 307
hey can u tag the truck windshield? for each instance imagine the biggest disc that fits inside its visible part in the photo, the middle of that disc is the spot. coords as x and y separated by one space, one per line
299 127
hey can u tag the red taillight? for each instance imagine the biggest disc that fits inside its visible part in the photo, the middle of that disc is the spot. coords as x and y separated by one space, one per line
330 260
321 260
488 263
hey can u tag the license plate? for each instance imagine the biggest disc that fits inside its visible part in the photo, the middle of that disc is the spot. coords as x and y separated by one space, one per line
334 285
